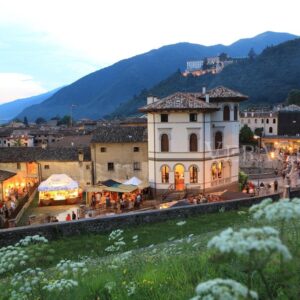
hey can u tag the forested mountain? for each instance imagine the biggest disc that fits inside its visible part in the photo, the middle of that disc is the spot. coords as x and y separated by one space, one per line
267 79
101 92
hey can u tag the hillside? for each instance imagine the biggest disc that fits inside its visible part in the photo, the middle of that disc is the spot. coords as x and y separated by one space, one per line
99 93
11 109
266 80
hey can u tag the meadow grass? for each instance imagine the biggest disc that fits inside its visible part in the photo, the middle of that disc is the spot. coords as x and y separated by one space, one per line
167 262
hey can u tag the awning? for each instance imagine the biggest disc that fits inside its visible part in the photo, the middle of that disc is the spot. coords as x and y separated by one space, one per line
121 188
58 182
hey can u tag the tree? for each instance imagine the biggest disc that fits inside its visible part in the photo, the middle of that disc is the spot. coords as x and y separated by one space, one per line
40 120
246 135
259 131
205 64
25 121
294 97
66 120
223 56
252 55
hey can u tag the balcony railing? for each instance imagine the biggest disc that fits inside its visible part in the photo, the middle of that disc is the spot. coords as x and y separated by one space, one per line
220 181
224 152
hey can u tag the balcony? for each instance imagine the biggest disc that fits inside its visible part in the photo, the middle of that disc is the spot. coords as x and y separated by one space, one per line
225 152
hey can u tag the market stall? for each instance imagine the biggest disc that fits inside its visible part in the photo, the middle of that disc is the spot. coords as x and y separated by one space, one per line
58 189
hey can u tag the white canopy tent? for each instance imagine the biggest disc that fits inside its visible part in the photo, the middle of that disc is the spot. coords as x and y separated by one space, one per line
133 181
58 182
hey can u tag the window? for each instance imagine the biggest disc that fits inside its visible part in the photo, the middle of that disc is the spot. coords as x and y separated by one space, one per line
46 167
274 121
87 167
164 118
136 166
271 130
193 143
164 143
218 140
103 149
216 170
267 121
136 149
193 117
193 174
249 121
165 174
255 121
18 166
110 166
88 183
235 115
262 121
226 113
8 144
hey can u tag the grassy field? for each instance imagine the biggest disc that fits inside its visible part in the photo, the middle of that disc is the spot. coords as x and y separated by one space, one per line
160 261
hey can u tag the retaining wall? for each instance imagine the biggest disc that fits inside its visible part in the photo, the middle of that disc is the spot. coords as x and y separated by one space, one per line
109 223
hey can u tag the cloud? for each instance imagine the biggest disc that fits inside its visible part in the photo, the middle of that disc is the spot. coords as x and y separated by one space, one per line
16 85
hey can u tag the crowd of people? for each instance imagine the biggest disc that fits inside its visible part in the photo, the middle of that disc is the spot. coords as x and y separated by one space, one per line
124 201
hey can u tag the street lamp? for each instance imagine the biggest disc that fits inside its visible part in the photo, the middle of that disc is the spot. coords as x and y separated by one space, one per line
72 105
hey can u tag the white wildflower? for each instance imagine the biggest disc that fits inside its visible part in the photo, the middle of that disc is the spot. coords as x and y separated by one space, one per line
181 223
223 289
60 285
130 288
245 241
283 210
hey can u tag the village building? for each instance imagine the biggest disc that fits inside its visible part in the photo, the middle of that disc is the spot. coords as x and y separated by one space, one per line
193 140
264 122
11 137
119 153
33 165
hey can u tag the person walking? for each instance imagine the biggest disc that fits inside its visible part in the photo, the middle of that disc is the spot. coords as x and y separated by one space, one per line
275 186
73 215
68 217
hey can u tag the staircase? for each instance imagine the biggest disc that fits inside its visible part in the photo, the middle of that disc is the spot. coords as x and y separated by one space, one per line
173 196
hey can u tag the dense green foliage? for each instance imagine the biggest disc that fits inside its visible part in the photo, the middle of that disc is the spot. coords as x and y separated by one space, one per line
101 92
266 79
246 135
40 120
294 97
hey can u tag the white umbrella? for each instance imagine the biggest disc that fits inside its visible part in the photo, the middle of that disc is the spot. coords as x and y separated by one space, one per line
133 181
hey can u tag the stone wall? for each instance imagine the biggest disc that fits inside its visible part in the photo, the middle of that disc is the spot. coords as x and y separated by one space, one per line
106 224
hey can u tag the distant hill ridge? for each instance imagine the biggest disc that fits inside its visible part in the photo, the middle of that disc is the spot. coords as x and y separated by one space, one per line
266 80
100 93
10 110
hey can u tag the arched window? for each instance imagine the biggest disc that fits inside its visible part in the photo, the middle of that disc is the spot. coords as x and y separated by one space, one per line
274 121
267 121
164 143
236 113
193 174
193 142
217 170
271 130
226 113
218 140
165 174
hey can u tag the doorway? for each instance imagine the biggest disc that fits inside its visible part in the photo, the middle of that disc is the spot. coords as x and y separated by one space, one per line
179 177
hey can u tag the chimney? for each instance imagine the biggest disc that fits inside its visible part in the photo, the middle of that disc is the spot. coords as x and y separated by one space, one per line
80 155
207 98
204 90
150 100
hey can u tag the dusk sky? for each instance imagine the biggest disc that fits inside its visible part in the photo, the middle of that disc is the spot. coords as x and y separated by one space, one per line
47 44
